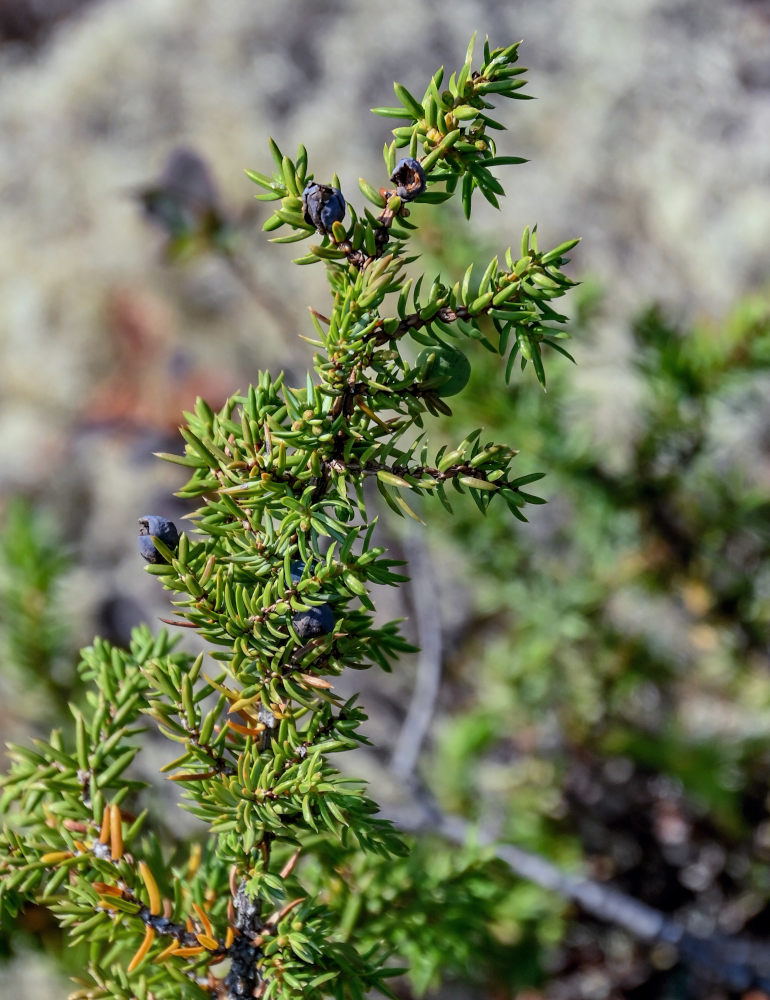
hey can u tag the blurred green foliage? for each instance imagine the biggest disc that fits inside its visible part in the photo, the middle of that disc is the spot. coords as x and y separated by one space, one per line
643 581
34 640
609 687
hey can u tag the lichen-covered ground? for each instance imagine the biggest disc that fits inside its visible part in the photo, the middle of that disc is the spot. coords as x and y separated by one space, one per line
649 138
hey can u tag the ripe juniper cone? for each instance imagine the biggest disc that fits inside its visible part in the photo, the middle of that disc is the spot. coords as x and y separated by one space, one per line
315 621
297 569
409 178
322 206
153 526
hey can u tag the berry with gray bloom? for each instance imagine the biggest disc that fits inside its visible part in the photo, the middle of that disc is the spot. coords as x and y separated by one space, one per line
313 622
409 178
153 526
322 206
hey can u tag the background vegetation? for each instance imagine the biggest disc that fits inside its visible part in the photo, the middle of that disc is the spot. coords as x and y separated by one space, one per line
604 690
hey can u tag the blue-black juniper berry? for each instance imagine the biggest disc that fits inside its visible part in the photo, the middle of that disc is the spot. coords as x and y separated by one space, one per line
409 178
315 621
296 570
322 206
153 526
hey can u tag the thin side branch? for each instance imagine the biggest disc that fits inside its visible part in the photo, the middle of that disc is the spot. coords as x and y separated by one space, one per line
428 680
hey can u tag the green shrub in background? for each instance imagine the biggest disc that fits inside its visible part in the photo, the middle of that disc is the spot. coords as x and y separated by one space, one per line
298 887
647 578
33 632
619 698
